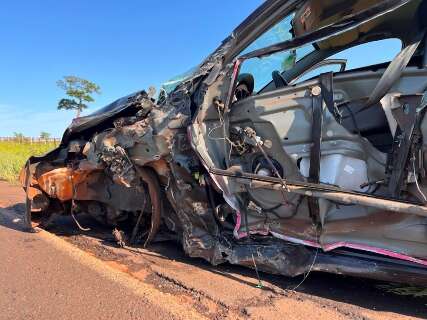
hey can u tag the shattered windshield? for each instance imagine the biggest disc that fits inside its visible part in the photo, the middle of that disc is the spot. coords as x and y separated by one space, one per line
261 68
171 84
282 31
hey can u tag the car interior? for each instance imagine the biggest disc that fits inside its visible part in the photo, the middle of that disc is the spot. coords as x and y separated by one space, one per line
359 124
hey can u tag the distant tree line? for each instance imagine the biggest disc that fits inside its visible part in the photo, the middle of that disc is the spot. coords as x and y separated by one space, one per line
44 137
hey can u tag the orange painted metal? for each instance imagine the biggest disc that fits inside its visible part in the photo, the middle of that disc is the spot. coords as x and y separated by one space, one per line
61 183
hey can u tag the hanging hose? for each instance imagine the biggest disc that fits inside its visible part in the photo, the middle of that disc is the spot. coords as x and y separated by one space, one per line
77 223
73 204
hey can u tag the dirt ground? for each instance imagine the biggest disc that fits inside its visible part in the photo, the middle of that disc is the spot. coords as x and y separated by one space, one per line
230 292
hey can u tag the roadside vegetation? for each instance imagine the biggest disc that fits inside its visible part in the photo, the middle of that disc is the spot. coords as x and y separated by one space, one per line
16 150
14 154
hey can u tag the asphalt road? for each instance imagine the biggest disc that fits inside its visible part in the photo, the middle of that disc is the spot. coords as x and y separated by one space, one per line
67 274
42 277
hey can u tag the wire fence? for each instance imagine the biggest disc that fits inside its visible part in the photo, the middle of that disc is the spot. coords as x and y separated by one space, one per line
31 140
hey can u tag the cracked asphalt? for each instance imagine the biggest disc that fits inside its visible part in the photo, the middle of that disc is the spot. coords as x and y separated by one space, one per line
63 273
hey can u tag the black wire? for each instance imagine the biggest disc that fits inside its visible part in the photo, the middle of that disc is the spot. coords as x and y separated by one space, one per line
353 118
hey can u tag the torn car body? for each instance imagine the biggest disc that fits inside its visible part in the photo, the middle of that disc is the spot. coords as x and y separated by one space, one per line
293 174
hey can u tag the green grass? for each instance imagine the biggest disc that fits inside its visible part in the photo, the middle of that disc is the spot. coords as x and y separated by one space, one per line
13 156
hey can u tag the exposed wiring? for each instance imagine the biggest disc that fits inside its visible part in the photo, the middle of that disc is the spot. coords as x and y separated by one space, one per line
309 270
259 285
221 125
416 180
275 171
311 266
359 133
353 118
272 166
251 134
245 217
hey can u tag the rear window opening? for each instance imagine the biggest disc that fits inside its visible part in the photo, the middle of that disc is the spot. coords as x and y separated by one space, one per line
360 56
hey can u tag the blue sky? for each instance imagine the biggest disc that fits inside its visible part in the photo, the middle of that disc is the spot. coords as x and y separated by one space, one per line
124 46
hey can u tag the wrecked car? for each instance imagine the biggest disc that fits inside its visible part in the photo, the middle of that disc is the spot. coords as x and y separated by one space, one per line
292 148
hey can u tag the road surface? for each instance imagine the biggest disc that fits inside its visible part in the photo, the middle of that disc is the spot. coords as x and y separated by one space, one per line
64 273
43 278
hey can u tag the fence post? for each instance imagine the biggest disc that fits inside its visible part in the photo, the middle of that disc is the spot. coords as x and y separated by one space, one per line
30 140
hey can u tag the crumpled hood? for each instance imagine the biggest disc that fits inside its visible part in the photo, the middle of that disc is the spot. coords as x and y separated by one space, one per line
125 106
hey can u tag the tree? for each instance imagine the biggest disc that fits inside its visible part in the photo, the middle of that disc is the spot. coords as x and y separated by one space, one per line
44 135
18 136
289 62
79 92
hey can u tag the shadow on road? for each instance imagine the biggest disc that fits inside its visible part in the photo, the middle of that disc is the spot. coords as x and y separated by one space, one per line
12 217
